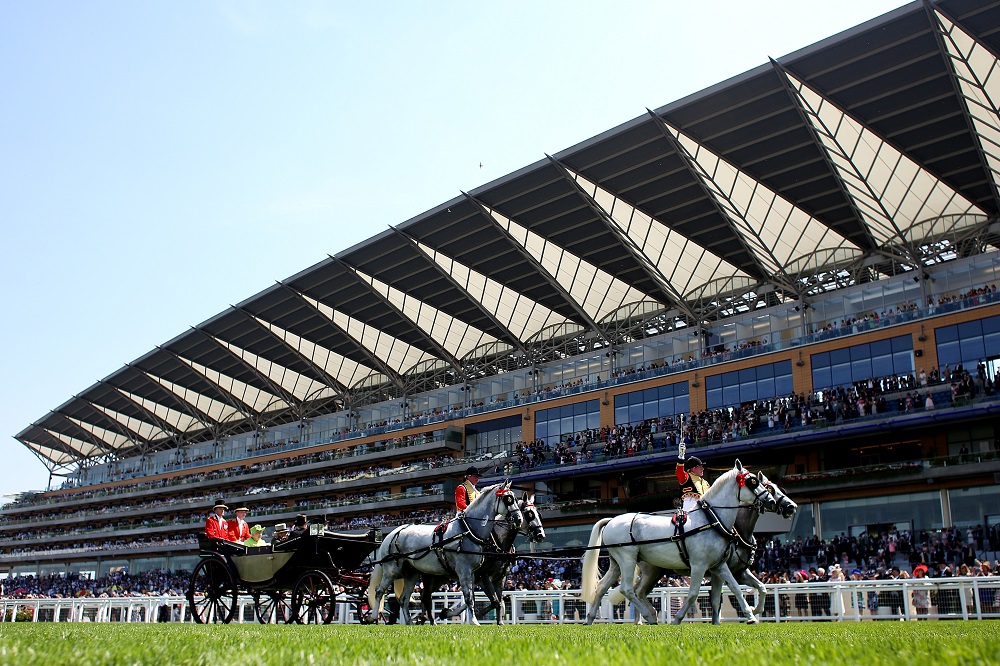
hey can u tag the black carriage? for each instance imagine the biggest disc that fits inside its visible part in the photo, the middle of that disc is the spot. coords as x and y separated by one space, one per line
297 580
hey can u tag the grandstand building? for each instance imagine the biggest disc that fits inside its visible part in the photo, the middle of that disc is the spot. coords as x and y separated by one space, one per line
797 267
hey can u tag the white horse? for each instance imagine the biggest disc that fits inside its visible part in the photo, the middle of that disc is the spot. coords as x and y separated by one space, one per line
739 560
492 574
411 550
634 537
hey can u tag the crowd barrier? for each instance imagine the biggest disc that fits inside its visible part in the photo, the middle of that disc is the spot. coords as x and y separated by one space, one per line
848 601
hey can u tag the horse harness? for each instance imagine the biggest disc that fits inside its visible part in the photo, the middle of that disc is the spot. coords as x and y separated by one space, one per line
489 545
680 534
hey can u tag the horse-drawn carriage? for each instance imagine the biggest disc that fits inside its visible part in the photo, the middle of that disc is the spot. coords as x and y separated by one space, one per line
298 580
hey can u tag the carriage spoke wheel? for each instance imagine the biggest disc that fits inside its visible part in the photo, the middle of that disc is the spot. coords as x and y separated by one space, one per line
212 592
273 607
313 599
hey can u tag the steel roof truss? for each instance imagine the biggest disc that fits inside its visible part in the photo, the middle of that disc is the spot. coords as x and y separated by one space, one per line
276 389
441 352
332 382
511 339
648 267
940 34
541 270
376 362
766 275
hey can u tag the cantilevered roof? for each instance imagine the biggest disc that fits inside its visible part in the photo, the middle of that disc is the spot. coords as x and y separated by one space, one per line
865 152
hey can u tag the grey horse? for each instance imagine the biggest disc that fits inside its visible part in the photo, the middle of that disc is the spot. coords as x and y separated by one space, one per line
411 550
739 560
492 574
631 538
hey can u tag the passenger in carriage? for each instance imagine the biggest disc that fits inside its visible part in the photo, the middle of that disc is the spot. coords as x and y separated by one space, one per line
280 532
300 527
466 493
216 526
256 538
239 531
691 476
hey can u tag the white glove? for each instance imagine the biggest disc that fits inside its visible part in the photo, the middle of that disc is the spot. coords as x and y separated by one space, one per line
681 450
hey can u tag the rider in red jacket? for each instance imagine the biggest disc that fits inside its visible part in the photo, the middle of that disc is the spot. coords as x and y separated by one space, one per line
216 526
466 493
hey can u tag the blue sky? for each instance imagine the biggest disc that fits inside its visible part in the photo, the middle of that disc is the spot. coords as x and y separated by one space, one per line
160 161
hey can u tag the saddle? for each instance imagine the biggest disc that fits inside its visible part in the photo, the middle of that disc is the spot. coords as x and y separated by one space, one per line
439 531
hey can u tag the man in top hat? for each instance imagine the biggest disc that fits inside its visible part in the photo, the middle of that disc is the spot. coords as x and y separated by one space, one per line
301 526
466 493
239 531
691 476
216 526
256 538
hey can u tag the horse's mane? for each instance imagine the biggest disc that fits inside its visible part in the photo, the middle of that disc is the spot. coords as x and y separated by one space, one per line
721 481
484 495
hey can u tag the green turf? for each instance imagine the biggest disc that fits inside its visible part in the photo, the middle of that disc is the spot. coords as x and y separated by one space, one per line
899 643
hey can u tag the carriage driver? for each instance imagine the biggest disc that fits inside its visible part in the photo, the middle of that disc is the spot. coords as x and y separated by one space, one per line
691 476
466 493
216 526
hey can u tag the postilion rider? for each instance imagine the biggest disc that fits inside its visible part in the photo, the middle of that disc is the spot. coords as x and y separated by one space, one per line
691 476
466 493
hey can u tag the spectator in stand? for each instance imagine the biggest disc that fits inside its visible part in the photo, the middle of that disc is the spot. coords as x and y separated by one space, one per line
216 526
239 531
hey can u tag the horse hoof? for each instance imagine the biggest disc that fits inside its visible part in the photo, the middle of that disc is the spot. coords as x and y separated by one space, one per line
676 620
752 620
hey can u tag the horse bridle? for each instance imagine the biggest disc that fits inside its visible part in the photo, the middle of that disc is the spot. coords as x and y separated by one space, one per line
748 479
783 504
530 515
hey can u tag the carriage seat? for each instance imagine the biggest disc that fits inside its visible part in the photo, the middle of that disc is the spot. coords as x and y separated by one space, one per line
221 546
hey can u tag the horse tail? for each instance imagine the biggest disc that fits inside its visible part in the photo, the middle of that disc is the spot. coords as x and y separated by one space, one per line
372 585
590 576
397 587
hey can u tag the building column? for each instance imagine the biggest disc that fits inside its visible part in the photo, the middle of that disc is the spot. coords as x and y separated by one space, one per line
945 508
817 520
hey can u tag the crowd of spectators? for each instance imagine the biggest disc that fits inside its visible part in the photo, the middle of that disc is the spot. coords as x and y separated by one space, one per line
115 584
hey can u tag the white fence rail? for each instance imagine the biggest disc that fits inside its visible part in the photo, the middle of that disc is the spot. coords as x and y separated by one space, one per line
849 601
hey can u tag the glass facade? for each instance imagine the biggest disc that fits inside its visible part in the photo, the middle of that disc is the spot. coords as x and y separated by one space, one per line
920 511
972 506
493 435
968 343
652 403
842 367
550 424
758 383
803 524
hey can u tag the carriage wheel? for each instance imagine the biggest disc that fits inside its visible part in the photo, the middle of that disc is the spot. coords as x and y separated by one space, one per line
313 599
273 607
212 592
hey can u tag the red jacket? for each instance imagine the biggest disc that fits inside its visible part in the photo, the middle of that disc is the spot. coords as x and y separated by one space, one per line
217 528
239 531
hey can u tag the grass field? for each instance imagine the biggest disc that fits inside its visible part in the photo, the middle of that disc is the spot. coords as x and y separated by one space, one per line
899 643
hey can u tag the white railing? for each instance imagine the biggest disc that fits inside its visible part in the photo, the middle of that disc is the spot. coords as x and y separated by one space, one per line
848 601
